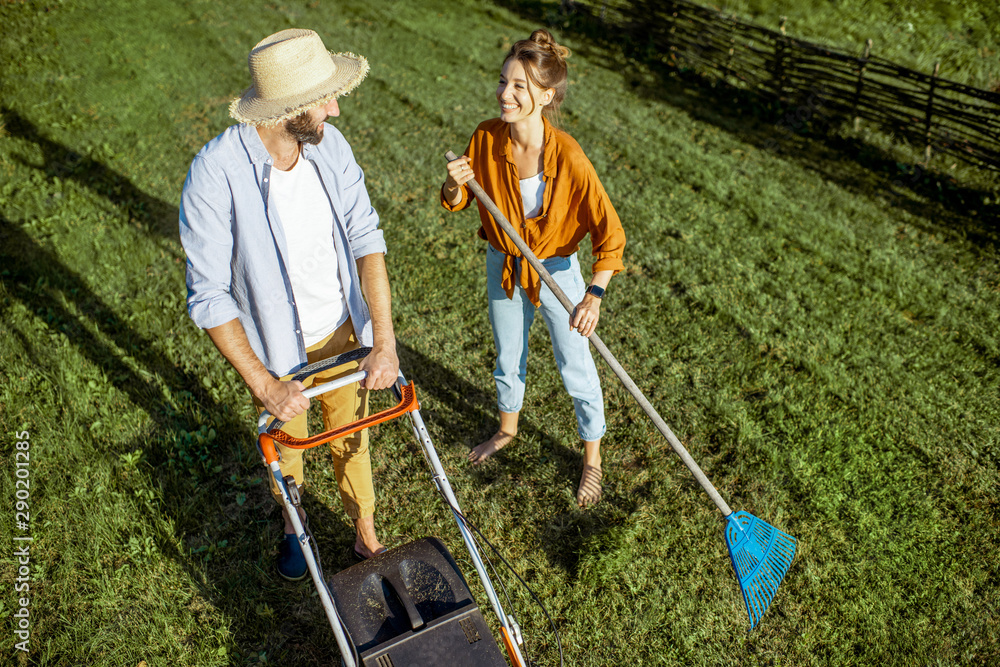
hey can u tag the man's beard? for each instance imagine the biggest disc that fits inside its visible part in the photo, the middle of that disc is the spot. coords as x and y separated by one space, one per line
303 131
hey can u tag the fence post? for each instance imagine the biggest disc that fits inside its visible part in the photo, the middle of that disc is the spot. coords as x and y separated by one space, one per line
930 111
670 27
863 63
778 69
732 47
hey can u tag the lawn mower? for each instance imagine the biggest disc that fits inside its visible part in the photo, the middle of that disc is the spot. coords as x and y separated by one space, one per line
409 606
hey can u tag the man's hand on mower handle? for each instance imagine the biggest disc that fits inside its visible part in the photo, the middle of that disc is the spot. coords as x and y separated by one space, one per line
382 366
284 400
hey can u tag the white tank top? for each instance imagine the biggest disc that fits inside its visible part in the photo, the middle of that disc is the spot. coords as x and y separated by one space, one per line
307 219
532 189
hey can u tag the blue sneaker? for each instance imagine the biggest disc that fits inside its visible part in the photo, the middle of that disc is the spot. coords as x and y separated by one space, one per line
291 562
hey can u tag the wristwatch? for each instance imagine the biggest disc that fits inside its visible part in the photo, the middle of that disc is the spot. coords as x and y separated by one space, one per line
596 290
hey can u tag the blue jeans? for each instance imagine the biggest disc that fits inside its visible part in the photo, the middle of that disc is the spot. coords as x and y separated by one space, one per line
511 319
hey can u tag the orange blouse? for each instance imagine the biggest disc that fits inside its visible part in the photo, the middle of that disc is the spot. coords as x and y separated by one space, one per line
574 203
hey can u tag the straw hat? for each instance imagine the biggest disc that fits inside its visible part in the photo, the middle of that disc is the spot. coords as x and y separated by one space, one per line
293 72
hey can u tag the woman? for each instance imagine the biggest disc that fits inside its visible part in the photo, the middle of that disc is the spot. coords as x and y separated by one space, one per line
543 183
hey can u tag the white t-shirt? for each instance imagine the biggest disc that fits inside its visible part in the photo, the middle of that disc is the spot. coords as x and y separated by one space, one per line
532 189
307 219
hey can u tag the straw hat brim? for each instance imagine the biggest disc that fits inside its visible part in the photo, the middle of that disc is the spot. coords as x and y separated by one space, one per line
350 71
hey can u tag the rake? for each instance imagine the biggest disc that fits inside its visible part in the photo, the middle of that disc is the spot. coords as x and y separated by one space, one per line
761 554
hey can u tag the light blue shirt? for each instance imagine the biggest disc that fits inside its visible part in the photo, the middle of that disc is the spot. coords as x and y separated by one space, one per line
235 242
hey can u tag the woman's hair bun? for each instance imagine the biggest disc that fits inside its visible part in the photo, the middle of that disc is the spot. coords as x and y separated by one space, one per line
544 38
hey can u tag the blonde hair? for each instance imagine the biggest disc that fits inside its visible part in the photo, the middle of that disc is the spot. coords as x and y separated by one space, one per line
544 62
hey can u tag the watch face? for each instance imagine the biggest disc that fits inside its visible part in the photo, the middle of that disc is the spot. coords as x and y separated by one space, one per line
596 291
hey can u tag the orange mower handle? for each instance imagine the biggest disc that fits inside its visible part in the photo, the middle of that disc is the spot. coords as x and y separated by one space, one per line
268 434
407 403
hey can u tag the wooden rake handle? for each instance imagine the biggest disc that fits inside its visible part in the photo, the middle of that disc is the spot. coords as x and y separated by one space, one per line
599 345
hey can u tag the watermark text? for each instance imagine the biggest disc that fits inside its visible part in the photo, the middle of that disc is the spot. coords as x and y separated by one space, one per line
22 540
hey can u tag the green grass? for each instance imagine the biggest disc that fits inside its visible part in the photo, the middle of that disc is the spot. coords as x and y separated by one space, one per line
824 342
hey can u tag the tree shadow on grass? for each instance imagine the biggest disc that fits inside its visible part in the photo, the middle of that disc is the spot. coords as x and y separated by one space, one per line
59 161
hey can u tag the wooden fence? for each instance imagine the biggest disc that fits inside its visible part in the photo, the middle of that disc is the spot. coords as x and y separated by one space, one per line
920 109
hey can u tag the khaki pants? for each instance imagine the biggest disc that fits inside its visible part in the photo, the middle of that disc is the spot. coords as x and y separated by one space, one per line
351 461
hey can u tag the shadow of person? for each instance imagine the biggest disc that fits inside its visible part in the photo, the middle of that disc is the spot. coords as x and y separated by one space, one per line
455 401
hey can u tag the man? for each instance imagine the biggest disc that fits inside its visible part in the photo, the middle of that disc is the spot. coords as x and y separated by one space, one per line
285 260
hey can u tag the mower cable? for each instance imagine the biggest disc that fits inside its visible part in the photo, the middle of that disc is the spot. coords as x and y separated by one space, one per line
534 597
496 575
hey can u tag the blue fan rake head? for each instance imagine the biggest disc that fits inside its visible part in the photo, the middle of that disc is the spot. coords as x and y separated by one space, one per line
761 556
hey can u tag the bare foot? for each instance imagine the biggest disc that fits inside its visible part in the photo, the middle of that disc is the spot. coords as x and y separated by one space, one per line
590 486
366 543
490 447
364 553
